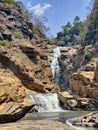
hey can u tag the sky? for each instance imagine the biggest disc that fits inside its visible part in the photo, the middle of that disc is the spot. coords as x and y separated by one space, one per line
58 12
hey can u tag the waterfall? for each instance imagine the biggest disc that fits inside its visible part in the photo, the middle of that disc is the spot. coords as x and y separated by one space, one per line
55 64
46 102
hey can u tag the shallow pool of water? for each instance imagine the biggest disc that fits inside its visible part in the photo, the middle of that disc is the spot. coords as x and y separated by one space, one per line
62 116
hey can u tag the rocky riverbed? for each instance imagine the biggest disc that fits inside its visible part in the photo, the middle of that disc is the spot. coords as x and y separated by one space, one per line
89 120
35 125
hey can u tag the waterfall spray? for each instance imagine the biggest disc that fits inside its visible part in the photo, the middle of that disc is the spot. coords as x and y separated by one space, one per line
46 102
55 64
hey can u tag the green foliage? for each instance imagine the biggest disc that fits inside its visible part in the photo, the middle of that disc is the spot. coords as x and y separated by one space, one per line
71 34
92 23
60 43
9 1
18 34
78 32
6 43
34 29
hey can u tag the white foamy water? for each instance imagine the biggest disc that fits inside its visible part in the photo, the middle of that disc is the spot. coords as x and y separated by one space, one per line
46 102
55 64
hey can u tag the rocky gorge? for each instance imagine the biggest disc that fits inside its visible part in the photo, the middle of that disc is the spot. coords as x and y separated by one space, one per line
23 63
25 69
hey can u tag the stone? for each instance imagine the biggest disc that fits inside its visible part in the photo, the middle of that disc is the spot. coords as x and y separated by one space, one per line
10 128
24 64
83 102
66 60
13 111
64 96
89 120
7 35
80 81
35 125
72 103
13 101
67 99
96 73
31 74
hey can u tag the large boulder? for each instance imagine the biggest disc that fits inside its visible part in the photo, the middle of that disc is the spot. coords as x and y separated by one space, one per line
80 82
13 101
67 100
85 83
89 120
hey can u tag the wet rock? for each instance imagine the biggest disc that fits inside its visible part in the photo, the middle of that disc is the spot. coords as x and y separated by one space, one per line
72 103
89 120
64 96
67 100
83 102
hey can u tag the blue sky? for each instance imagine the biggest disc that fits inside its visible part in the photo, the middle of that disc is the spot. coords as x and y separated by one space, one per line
58 12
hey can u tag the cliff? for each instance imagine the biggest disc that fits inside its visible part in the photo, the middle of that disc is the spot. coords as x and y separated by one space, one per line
77 58
85 83
23 62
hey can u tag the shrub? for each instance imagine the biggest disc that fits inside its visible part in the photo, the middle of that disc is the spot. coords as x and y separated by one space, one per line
18 34
34 29
9 1
5 43
60 43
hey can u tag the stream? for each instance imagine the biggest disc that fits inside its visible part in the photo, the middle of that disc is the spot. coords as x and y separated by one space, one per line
48 106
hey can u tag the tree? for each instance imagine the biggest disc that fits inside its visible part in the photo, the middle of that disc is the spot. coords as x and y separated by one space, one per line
77 19
70 33
92 24
9 1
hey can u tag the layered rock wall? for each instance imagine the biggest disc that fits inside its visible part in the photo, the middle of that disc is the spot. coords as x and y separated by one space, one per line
85 84
35 75
77 58
23 62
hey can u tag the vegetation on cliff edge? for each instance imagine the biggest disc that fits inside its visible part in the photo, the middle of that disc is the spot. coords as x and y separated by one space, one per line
79 32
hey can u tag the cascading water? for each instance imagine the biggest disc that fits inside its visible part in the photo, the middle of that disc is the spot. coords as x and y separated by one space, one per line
49 102
55 64
46 102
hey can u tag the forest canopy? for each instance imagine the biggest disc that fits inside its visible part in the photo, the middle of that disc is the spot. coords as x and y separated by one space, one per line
79 32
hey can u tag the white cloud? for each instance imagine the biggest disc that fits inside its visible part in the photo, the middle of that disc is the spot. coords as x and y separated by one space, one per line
38 9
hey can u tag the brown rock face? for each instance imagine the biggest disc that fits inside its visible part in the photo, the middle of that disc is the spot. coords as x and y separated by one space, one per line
25 57
35 75
67 99
71 101
89 120
80 81
23 62
66 64
11 88
13 102
77 58
83 84
96 73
